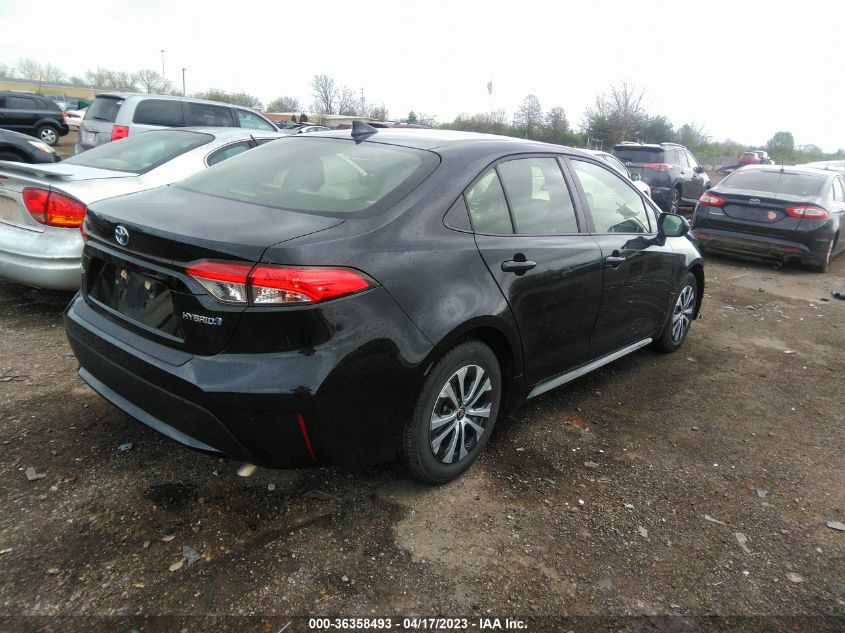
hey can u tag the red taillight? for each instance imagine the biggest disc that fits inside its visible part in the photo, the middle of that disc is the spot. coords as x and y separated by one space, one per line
658 166
52 208
276 285
118 132
806 211
64 115
711 200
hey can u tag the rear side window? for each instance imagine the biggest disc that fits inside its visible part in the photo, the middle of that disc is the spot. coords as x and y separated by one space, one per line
319 175
208 115
837 193
104 109
252 121
159 112
639 156
488 207
21 103
141 153
616 207
219 155
774 181
538 196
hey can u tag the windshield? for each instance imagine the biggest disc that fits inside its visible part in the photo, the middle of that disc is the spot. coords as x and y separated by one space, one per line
140 153
639 155
777 182
313 174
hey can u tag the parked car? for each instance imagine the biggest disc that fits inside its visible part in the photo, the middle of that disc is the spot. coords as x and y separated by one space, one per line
755 157
116 115
833 165
672 172
614 162
42 207
302 128
74 117
780 213
340 298
32 114
21 148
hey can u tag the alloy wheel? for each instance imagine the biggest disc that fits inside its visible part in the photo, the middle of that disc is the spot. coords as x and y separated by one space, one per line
682 315
49 136
460 415
676 200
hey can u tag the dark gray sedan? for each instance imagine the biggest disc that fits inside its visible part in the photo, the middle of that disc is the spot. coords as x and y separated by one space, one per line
780 213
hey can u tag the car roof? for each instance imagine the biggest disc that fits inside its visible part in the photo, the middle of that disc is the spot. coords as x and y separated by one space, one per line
143 95
443 140
224 133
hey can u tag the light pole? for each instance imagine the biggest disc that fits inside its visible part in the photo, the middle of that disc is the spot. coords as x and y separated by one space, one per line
162 62
184 94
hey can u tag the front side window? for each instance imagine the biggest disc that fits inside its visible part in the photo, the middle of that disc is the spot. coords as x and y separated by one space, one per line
538 196
252 121
616 207
319 175
691 160
141 153
207 115
679 157
488 207
159 112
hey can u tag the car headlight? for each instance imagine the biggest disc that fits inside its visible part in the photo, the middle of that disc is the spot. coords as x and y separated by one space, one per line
42 147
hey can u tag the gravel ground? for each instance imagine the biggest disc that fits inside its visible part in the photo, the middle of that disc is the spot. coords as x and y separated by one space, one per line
686 485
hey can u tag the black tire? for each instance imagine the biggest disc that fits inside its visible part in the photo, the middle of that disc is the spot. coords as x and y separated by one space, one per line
419 457
12 156
672 338
824 265
49 134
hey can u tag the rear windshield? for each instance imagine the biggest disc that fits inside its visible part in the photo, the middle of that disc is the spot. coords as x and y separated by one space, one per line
770 181
140 153
320 175
104 109
639 155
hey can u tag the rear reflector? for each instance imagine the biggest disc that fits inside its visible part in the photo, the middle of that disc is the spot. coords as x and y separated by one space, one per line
118 132
52 208
658 166
808 212
711 200
276 285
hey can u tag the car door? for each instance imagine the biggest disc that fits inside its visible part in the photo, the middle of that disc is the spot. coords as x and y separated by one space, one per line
638 264
527 229
21 114
679 159
697 179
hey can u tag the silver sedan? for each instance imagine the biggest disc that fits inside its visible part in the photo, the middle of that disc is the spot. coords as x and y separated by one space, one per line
42 206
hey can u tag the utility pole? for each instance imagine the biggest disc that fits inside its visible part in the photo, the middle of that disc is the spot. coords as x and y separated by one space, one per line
162 62
184 94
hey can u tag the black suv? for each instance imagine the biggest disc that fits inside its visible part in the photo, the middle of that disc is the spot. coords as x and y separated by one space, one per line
672 172
32 114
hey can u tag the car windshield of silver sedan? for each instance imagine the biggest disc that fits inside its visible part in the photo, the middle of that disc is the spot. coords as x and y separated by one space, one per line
142 153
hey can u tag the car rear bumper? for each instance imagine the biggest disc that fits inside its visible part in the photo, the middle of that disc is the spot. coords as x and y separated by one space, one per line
759 246
281 409
48 259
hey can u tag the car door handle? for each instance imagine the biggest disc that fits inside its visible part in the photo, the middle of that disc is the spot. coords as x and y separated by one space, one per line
513 266
614 260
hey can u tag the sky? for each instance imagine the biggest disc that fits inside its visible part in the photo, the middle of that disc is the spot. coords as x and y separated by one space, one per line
742 69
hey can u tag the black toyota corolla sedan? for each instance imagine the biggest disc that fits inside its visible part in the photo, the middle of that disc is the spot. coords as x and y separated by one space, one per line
780 213
343 298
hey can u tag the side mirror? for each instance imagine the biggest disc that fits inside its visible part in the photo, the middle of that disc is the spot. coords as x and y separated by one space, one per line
672 225
698 169
634 176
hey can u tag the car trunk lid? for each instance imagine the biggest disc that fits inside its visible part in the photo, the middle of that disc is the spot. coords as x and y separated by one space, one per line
143 282
753 214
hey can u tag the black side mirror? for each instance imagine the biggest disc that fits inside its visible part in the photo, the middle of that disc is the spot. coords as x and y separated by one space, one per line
672 225
698 169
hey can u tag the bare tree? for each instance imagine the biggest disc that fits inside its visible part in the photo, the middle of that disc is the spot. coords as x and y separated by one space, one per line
122 81
53 73
325 94
151 81
617 116
529 116
235 98
378 113
283 104
6 71
29 69
346 101
101 77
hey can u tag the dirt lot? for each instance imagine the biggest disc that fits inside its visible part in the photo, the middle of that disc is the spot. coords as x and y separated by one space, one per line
693 484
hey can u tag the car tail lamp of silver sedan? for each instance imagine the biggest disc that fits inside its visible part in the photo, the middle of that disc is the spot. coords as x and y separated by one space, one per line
52 208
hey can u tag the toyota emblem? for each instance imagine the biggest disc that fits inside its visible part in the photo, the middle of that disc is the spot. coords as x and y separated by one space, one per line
121 235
